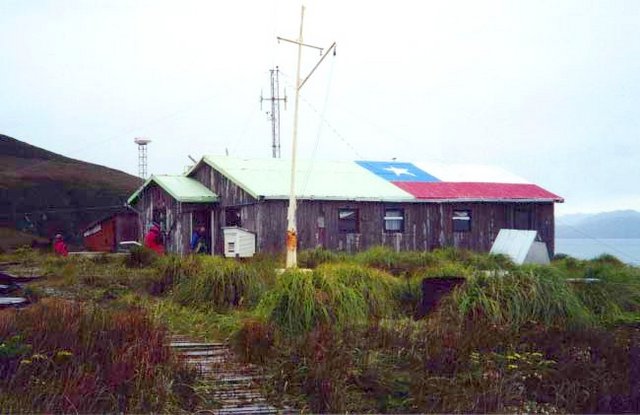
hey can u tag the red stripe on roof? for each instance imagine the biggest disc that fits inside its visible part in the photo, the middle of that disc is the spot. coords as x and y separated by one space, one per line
477 191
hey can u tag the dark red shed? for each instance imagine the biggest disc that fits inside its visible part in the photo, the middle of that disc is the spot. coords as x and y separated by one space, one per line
105 235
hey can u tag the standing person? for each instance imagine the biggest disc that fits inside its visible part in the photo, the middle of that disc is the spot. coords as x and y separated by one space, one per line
153 239
59 247
199 241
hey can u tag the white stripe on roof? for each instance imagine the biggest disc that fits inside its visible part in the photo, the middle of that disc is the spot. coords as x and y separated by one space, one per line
474 173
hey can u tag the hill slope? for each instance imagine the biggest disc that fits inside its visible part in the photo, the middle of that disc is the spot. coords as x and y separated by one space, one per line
620 224
44 192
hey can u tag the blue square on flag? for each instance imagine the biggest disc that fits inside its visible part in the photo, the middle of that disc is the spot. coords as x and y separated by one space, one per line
397 171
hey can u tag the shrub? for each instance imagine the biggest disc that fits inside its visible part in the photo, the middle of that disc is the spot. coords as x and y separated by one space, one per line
615 294
333 295
397 263
518 297
169 270
140 257
379 290
218 283
608 259
311 258
254 340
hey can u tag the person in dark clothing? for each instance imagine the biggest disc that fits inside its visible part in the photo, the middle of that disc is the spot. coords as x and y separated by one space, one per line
199 241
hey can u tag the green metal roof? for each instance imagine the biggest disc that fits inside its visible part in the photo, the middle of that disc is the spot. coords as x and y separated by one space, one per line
328 180
183 189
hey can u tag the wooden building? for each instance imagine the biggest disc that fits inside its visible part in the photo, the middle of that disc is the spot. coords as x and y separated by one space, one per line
178 204
105 234
352 206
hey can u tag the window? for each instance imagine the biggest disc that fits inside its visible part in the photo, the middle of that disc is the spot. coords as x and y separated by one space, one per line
522 219
348 221
232 217
394 220
461 220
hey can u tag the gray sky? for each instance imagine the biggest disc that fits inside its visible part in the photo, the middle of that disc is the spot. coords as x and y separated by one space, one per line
549 90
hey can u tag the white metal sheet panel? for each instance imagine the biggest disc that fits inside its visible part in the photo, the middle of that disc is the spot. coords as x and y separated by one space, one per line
514 243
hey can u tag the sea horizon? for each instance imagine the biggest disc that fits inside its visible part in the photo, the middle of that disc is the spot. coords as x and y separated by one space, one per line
626 250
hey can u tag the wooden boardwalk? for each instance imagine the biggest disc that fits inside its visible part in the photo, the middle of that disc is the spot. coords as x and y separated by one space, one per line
234 385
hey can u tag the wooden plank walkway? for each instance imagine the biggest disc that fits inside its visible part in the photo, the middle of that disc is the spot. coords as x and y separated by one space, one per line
234 385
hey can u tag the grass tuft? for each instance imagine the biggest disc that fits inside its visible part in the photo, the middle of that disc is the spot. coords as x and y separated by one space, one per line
219 284
332 295
520 297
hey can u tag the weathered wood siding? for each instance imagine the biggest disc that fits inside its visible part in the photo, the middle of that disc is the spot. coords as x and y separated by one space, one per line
426 225
177 230
230 195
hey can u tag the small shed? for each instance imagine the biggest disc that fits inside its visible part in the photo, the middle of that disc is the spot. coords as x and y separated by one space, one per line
105 234
522 246
179 204
239 242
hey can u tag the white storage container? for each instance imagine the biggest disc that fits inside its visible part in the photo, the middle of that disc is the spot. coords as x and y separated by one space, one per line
239 242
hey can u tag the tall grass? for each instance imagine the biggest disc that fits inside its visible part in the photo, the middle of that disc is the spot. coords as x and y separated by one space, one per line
311 258
397 263
219 284
332 295
513 299
68 357
613 295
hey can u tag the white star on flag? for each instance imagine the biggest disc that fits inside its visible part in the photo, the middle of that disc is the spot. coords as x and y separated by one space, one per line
399 171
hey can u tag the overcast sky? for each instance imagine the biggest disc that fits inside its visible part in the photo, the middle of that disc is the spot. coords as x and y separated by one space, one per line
549 90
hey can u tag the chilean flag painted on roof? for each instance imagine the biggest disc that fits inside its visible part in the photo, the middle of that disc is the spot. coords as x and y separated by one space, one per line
398 172
436 181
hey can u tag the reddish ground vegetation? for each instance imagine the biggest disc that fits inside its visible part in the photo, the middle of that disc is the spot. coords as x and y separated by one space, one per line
64 356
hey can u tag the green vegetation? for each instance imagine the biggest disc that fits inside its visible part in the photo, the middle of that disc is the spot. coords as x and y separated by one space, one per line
343 336
216 283
63 356
339 295
521 296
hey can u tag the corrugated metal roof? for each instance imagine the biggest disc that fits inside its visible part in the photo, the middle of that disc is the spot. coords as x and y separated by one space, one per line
398 171
478 191
469 173
328 180
183 189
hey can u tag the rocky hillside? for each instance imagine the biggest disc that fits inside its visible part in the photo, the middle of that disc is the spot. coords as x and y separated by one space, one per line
43 192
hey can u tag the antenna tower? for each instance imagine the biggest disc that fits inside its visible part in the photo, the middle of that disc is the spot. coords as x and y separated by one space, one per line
274 114
142 155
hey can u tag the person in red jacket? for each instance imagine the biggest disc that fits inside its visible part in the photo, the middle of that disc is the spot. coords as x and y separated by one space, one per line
59 247
153 239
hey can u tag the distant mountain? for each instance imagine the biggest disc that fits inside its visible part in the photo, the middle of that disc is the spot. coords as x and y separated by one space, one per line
44 192
620 224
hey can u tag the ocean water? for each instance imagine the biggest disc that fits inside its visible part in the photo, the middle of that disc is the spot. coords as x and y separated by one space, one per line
626 250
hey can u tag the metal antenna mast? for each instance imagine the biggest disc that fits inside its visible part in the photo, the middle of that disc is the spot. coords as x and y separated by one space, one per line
274 114
292 232
142 155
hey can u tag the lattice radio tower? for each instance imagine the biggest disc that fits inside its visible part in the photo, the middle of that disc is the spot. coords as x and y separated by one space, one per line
274 114
142 155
